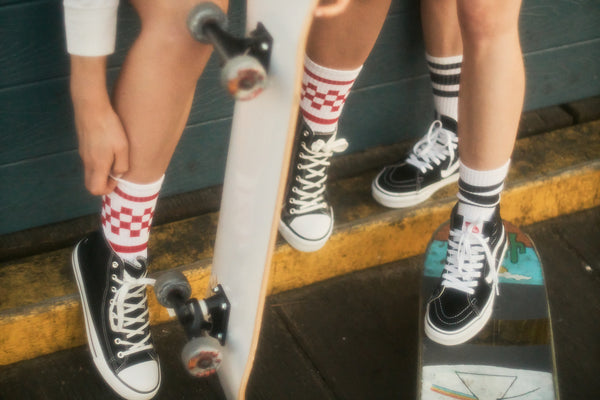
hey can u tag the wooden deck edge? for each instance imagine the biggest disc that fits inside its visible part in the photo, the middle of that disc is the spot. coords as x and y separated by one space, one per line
32 331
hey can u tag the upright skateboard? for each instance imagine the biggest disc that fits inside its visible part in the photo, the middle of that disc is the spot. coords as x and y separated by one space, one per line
223 329
513 356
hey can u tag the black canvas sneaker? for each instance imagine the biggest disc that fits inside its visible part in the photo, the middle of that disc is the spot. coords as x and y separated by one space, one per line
462 304
113 297
307 219
431 165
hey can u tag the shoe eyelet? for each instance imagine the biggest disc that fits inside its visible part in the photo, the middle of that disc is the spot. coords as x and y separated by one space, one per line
293 211
305 133
113 290
113 277
120 354
298 178
117 341
299 166
115 264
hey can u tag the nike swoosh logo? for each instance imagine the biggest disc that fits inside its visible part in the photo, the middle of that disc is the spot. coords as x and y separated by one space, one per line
447 172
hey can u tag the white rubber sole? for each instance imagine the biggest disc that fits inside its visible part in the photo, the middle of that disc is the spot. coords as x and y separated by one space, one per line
469 331
301 244
120 387
395 200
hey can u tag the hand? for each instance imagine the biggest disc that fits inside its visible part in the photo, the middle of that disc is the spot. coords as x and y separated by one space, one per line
103 147
103 144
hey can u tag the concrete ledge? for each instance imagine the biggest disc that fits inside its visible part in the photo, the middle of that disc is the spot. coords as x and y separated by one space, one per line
552 174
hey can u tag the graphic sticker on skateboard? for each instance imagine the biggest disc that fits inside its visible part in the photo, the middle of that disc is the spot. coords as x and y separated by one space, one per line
513 355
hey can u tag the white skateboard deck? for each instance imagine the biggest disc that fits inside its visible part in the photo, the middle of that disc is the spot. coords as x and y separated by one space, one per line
255 178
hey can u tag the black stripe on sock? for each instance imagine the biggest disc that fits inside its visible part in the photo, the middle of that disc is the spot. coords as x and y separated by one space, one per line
463 186
483 201
444 66
442 93
444 79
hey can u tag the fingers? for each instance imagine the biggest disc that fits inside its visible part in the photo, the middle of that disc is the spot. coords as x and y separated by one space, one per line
98 180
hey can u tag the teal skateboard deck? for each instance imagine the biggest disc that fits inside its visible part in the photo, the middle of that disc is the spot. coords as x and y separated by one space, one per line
513 355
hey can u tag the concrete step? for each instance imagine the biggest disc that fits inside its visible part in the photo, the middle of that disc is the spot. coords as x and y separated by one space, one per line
552 174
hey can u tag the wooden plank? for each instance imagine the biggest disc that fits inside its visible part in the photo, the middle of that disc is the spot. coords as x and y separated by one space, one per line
56 181
573 298
281 370
360 330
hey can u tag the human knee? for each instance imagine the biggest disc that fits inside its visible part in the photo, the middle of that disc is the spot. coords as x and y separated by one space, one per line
165 21
482 20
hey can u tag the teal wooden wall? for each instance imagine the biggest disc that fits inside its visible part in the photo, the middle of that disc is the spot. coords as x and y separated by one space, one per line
41 179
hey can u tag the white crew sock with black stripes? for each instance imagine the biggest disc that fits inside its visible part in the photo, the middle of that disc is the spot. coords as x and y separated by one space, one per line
324 92
479 192
127 216
444 73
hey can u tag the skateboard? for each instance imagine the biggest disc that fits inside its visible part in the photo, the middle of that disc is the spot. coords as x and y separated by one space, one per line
266 68
513 356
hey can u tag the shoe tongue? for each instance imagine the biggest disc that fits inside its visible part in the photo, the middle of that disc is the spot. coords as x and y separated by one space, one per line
136 268
462 223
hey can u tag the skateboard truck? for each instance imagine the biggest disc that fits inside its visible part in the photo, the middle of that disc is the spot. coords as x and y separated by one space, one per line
204 321
244 61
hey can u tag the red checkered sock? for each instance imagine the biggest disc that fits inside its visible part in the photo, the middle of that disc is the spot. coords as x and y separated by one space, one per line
127 215
324 92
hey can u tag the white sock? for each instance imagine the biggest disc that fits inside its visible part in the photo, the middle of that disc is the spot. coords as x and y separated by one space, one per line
444 73
479 191
127 216
324 92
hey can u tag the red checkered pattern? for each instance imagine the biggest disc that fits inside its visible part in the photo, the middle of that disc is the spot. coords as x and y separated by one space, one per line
321 100
124 222
324 92
127 216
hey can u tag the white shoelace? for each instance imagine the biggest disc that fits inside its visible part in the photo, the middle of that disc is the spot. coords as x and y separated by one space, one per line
128 299
316 161
433 148
466 253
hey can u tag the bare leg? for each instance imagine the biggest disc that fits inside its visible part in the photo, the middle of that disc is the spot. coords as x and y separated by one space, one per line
344 42
154 93
441 31
492 84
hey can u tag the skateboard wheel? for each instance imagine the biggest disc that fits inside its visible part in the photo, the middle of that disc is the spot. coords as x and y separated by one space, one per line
244 77
201 356
171 282
202 14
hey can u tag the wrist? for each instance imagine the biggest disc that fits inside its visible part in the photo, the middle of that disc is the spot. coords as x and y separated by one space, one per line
88 81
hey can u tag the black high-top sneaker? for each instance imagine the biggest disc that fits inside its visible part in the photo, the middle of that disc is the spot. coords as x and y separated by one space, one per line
307 218
113 297
462 304
431 165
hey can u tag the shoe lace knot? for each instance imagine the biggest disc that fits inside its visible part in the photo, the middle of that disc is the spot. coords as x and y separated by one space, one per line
128 313
467 251
437 145
310 186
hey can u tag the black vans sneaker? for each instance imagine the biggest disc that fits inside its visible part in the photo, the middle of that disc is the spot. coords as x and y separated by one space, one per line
431 165
462 304
307 219
115 310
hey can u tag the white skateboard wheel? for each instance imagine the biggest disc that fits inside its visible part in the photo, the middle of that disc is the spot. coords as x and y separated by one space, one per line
201 356
244 77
